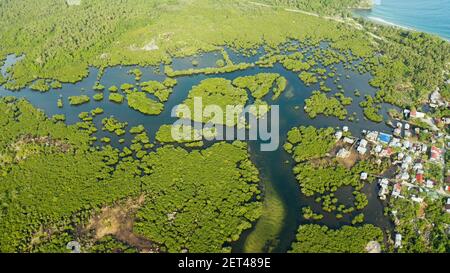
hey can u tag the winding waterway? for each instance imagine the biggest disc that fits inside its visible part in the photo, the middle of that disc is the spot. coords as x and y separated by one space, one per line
275 167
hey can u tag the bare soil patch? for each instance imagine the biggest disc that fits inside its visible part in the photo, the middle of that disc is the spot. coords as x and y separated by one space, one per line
118 221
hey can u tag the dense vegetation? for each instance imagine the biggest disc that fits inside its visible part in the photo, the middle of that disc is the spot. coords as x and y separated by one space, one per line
198 210
320 103
52 176
178 133
161 90
261 84
371 111
320 176
53 179
328 176
322 7
308 142
136 32
139 101
116 97
411 67
220 92
404 74
77 100
413 220
320 239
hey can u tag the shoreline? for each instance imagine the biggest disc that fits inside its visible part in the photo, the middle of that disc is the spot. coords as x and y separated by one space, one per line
358 12
389 23
396 25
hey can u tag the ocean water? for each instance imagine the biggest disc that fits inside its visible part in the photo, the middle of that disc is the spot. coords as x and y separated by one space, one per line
432 16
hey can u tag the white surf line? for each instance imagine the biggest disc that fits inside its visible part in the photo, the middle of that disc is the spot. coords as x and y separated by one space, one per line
399 26
382 21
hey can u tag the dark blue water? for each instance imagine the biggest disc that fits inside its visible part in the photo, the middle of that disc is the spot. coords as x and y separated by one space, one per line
430 16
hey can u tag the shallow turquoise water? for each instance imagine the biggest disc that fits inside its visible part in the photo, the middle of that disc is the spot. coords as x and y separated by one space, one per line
430 16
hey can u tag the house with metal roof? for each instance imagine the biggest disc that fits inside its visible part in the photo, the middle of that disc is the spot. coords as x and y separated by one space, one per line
384 138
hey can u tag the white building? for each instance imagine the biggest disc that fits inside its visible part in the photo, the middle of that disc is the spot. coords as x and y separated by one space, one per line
405 166
384 182
417 167
378 149
417 114
406 144
343 153
372 136
404 176
348 140
397 190
384 190
362 150
424 148
364 176
395 142
408 159
398 240
363 143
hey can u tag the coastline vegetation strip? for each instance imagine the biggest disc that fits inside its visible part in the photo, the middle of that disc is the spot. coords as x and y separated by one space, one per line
330 7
